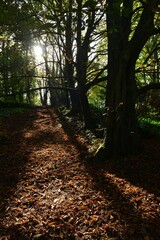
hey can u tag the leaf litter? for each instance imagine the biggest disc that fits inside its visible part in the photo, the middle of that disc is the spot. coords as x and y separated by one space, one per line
51 189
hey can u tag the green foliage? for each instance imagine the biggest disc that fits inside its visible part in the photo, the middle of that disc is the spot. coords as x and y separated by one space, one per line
16 70
148 63
148 110
97 114
12 104
150 127
6 112
148 105
7 108
96 96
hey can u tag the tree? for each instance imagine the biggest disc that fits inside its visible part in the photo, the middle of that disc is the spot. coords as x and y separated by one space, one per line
89 15
72 26
125 42
16 62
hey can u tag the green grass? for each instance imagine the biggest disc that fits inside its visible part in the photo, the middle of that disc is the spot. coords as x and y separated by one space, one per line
6 112
150 127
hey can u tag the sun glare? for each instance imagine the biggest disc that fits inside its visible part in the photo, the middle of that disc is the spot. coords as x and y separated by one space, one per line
38 51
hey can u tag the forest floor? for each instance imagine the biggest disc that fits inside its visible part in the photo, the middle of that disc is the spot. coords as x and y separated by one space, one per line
51 189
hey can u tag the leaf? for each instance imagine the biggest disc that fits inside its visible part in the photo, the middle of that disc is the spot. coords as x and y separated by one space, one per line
2 37
78 199
94 219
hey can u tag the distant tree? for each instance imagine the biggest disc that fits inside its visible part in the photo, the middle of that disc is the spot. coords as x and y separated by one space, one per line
16 62
72 26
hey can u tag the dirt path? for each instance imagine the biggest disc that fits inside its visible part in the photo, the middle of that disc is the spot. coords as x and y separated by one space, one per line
49 190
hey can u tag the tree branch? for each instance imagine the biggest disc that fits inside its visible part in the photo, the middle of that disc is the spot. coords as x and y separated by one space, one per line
147 88
144 30
95 82
36 89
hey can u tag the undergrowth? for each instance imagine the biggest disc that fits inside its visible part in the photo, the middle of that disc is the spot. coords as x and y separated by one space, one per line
149 127
7 108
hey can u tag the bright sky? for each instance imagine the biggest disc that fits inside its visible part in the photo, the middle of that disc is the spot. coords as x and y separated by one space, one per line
38 52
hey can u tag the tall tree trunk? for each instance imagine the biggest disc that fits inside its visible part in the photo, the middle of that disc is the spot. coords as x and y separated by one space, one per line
81 66
123 52
122 136
69 69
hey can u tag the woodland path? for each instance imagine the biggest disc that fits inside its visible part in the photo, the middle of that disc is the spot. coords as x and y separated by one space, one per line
49 189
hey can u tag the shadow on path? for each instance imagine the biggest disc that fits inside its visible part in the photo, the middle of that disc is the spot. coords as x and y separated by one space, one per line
131 188
48 181
13 157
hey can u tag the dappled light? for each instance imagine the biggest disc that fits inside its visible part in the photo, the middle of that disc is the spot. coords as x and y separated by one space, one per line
38 51
58 191
80 120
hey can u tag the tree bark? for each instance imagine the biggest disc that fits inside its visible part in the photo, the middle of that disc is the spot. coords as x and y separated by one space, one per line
122 136
81 65
69 68
123 52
